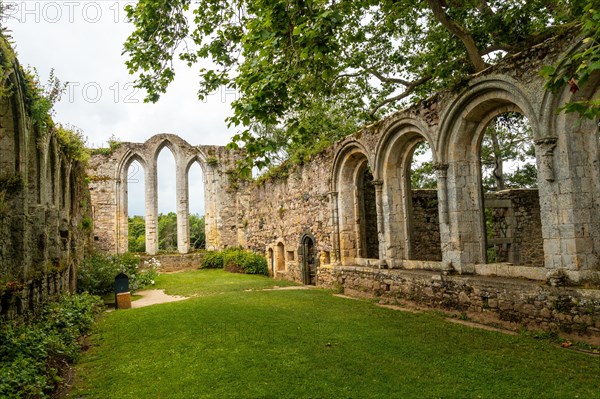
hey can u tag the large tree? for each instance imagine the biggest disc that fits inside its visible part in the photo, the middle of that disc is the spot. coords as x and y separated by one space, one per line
356 59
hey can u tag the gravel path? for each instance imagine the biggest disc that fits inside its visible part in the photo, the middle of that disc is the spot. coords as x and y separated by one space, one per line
153 297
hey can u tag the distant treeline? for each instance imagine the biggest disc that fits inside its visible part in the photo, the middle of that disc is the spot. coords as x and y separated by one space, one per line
167 232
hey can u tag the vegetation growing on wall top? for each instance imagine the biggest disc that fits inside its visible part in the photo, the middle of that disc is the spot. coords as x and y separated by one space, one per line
72 142
113 144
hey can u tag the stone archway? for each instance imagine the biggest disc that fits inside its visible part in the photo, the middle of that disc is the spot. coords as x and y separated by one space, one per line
356 208
394 154
461 132
109 193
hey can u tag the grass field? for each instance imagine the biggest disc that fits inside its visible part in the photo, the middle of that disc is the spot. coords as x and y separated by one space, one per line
228 342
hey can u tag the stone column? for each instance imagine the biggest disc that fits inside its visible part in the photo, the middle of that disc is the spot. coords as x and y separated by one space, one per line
210 211
380 223
183 208
121 245
545 147
151 209
359 237
441 172
463 239
335 224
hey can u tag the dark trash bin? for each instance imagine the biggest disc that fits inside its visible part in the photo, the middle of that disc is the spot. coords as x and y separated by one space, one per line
122 294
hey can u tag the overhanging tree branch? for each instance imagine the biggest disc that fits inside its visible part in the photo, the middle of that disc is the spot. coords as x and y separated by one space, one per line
386 79
460 32
410 87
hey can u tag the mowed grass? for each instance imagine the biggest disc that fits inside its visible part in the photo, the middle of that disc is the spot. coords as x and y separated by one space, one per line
214 281
232 343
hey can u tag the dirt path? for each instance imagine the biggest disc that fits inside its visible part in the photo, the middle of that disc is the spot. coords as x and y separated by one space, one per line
153 297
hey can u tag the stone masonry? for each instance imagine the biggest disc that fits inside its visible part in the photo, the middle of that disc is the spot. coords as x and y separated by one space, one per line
44 205
437 241
109 176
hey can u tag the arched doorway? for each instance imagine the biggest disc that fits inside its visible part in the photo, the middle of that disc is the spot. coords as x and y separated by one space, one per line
271 260
309 261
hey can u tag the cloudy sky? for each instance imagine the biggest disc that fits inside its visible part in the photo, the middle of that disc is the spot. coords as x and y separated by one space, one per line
82 41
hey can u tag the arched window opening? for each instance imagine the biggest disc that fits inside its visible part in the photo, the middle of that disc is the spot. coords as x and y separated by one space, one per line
422 215
367 209
136 208
280 257
167 204
512 221
196 207
356 209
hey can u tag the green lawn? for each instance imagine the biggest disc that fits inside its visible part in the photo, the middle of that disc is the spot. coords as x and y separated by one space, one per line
214 281
233 343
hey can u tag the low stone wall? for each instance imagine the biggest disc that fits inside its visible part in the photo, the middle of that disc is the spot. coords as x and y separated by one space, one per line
528 303
177 262
426 244
517 227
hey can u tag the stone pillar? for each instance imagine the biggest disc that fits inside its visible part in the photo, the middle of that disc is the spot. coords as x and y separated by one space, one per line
183 208
441 172
463 238
359 241
545 147
335 223
213 238
151 209
380 223
568 187
121 245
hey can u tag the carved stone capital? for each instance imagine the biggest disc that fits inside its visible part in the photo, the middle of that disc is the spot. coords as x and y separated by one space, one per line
547 144
441 169
439 166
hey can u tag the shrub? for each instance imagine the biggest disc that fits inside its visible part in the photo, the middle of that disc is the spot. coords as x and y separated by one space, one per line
97 273
212 260
236 260
31 354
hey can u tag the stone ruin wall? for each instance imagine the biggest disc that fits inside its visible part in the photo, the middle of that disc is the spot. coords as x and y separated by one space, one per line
526 303
282 211
517 227
441 259
432 246
44 206
109 179
426 243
